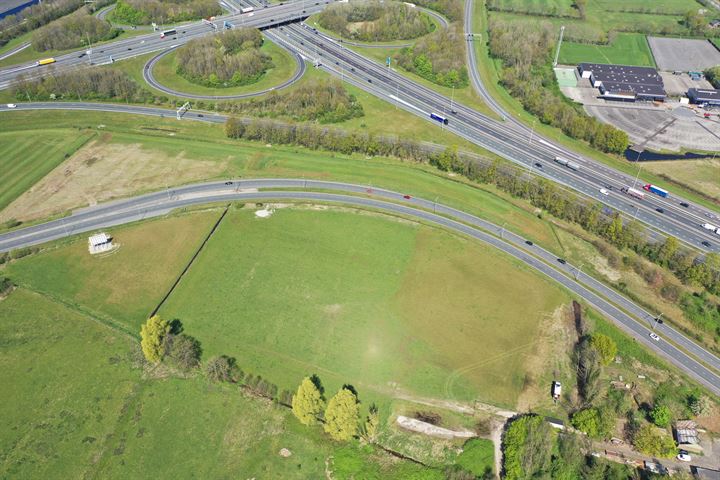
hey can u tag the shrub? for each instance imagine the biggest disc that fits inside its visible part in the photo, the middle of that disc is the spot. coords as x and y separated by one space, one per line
647 440
221 369
373 21
661 416
439 58
605 346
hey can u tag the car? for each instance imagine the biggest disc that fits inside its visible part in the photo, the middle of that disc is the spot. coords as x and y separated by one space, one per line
561 261
454 112
11 105
654 336
129 48
407 197
684 456
609 187
684 204
200 115
228 183
82 55
529 242
538 164
604 191
660 210
705 243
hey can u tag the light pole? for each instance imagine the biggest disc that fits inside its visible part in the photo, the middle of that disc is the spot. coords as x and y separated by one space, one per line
502 230
435 204
657 320
578 271
532 131
639 168
452 99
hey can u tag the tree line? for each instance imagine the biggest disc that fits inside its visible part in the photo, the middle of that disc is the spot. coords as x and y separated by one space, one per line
525 51
535 9
693 268
325 101
713 76
439 57
73 31
87 84
452 9
227 60
142 12
41 14
373 21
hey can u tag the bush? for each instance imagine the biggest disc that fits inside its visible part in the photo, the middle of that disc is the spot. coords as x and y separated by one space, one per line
73 31
372 21
605 346
5 285
221 369
184 351
138 12
527 447
647 440
439 58
23 252
701 310
661 416
227 60
596 423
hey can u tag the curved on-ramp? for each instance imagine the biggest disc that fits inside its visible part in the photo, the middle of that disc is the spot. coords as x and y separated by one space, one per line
612 305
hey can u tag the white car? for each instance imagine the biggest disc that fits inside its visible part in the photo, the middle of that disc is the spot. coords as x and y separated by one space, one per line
11 105
604 191
684 456
654 336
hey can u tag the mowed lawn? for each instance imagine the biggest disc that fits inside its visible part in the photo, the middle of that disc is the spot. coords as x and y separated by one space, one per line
627 49
363 299
124 286
26 157
75 404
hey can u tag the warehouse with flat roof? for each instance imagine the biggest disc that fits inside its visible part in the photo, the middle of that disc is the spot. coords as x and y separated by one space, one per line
703 96
623 82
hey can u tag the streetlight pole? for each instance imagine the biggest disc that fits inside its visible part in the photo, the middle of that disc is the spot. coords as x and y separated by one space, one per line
435 204
657 320
578 271
502 229
532 131
639 168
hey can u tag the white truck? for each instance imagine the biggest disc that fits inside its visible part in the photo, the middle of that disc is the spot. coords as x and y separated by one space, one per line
556 389
710 227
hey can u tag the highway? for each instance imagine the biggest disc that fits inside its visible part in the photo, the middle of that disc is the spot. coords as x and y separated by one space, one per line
580 285
664 216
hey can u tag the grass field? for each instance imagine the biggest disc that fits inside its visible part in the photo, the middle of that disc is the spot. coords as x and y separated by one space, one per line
285 65
703 175
104 286
311 292
76 405
627 49
25 158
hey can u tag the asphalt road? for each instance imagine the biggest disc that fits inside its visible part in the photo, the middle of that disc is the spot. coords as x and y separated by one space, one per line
15 50
614 307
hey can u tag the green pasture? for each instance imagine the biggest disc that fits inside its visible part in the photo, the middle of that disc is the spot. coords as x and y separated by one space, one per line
26 157
76 404
358 298
627 49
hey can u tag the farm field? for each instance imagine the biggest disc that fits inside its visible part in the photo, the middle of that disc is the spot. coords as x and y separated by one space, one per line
701 174
82 407
25 158
626 49
309 292
285 65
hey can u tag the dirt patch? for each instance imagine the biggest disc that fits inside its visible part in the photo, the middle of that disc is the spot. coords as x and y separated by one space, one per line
557 336
101 171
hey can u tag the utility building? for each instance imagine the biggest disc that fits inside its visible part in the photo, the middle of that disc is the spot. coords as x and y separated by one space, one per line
702 96
624 83
100 243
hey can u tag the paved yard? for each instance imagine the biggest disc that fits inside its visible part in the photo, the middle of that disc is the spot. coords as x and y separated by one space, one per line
683 54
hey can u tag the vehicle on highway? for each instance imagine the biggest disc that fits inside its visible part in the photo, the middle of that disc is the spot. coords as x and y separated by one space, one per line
11 105
634 192
439 118
684 204
529 242
567 163
709 226
660 210
407 197
561 261
45 61
604 191
656 190
538 164
684 456
228 183
247 9
167 33
705 243
654 336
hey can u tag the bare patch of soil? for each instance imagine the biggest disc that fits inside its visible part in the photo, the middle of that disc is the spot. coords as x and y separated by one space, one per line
102 171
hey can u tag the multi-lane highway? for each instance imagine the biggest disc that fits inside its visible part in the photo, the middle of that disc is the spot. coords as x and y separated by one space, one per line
621 311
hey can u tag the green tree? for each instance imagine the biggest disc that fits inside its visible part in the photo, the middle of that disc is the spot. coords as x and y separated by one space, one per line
372 423
614 232
647 440
152 335
587 421
660 415
342 415
605 346
308 402
184 351
527 448
667 251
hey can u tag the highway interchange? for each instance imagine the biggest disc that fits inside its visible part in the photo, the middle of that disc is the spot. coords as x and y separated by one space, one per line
510 139
628 316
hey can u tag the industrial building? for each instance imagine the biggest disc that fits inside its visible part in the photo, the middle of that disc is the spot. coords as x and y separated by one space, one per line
702 96
624 83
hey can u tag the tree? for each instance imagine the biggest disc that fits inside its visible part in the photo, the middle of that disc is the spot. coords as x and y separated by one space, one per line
372 423
185 351
647 440
153 334
342 415
308 402
667 251
527 448
605 346
596 423
660 415
220 369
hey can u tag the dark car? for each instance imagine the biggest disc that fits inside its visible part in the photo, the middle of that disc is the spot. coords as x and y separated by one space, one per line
660 210
684 204
705 243
561 261
406 197
538 164
82 55
228 183
200 115
529 242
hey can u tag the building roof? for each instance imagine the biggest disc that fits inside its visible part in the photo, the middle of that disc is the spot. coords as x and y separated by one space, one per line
704 94
624 79
99 239
686 431
706 473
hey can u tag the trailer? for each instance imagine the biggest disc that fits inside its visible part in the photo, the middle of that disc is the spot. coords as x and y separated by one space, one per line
247 9
573 166
167 33
656 190
46 61
561 161
634 192
708 226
